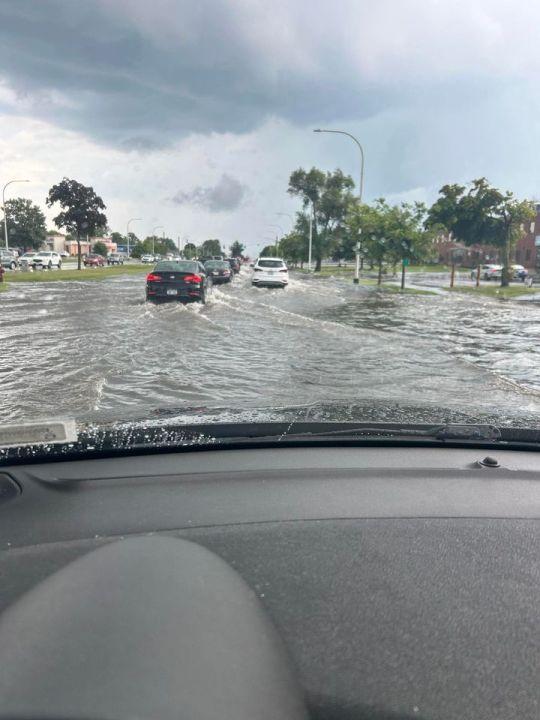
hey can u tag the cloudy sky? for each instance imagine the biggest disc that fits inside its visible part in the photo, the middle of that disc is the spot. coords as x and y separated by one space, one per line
192 114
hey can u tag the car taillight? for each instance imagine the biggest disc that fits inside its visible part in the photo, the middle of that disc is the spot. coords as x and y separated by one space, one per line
257 269
193 279
153 278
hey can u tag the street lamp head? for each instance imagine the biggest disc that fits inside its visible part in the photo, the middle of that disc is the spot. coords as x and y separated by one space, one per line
317 130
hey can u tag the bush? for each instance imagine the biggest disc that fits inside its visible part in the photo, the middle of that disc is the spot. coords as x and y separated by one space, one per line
100 249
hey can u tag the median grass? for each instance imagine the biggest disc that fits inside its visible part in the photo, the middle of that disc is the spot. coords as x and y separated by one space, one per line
101 273
342 270
512 291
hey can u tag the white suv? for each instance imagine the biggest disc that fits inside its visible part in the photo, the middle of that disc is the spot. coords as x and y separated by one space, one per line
271 272
48 259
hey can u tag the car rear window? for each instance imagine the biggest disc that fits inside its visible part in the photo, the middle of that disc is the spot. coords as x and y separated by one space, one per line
216 265
271 263
177 266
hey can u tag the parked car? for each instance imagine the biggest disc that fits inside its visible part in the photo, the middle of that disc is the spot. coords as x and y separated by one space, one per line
270 272
182 280
519 272
115 259
147 259
8 260
94 260
219 270
487 272
64 254
49 259
31 260
234 263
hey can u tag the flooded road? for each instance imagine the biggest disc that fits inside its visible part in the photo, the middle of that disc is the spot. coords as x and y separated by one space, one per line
96 351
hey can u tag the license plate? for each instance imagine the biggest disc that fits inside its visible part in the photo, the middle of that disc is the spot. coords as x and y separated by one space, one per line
172 291
271 272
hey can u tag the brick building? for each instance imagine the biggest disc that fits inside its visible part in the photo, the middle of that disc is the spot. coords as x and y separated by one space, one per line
448 251
527 247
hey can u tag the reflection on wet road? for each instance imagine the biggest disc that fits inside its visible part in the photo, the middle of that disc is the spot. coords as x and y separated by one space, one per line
96 350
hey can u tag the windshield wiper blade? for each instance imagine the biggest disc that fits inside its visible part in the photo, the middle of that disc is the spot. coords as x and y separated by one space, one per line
486 433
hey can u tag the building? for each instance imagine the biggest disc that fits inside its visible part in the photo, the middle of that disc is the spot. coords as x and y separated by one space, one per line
448 251
526 252
107 241
55 241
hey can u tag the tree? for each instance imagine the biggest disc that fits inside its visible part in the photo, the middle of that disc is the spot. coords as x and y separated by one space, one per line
100 248
294 247
26 224
190 251
118 238
81 210
328 195
236 249
137 250
482 214
210 247
268 251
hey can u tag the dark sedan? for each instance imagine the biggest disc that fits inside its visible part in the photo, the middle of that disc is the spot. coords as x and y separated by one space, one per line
219 270
183 280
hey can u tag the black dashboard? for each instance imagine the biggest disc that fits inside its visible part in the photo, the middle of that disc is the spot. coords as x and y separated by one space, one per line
404 583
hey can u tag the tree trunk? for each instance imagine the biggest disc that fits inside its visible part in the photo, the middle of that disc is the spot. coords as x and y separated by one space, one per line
379 278
318 264
79 258
505 274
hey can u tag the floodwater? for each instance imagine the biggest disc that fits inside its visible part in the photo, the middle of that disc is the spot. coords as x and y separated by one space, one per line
97 352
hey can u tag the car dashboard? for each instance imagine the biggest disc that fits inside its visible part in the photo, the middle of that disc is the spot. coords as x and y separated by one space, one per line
402 582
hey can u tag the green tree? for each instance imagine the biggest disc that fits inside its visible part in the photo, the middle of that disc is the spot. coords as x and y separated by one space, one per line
190 251
210 247
268 251
294 247
118 238
100 249
26 224
137 250
81 210
482 214
236 249
328 196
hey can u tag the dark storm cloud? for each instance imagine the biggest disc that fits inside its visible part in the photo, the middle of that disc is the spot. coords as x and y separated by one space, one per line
138 89
226 194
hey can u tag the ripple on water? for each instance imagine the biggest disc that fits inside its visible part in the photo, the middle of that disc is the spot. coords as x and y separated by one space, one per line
98 349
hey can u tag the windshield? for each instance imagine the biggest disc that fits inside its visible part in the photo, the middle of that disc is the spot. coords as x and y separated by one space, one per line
371 166
177 266
270 263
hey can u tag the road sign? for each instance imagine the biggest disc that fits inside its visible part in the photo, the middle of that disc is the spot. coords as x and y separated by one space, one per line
405 262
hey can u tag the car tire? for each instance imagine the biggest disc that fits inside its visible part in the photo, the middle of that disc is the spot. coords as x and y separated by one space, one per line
13 265
59 264
202 299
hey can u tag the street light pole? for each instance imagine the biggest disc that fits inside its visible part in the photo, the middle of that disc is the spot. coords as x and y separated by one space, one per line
127 231
342 132
357 249
310 237
4 208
